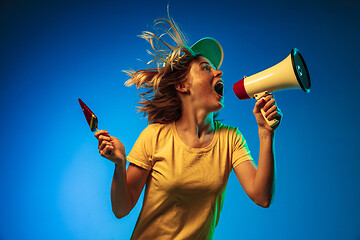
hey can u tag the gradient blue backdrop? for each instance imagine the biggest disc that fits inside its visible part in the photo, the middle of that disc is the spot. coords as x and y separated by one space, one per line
53 183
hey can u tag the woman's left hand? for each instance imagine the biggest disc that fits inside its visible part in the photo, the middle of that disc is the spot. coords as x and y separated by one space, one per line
268 104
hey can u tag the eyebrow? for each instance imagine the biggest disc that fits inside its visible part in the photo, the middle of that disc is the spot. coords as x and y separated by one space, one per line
206 63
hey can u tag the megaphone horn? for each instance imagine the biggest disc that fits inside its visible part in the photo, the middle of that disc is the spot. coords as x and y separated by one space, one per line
291 73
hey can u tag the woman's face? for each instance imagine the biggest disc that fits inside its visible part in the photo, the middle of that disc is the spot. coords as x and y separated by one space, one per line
205 85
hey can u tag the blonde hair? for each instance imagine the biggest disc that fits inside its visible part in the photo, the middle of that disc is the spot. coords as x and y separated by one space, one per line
170 65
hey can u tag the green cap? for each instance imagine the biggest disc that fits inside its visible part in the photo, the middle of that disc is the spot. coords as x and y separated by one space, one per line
211 49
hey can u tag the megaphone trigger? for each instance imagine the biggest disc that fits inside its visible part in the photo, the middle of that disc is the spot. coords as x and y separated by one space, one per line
262 95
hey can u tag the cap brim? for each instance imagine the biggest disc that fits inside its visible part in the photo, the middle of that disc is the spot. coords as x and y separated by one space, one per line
211 49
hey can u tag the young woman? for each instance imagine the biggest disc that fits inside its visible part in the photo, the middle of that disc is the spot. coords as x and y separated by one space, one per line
184 156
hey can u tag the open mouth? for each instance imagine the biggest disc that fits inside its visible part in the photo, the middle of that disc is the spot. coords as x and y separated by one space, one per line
219 88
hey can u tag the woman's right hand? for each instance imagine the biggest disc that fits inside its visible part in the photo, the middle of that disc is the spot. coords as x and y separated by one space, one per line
111 148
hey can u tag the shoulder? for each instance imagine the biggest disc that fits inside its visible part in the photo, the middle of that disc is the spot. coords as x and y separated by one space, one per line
156 129
150 137
230 132
225 128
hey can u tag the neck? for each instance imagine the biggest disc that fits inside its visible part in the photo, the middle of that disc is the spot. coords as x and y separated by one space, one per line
198 124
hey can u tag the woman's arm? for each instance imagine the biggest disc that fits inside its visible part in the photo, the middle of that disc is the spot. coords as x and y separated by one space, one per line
127 185
259 182
126 188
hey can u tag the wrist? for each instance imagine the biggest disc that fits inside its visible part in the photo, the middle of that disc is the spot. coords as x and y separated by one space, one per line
266 133
120 163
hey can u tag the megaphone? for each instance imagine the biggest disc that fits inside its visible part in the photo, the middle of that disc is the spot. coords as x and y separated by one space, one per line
290 73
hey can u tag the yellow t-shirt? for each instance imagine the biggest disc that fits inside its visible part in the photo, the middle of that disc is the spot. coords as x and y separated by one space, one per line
185 190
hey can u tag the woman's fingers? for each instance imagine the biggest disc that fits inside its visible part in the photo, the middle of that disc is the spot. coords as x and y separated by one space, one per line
104 144
107 151
272 115
100 133
266 109
103 138
271 110
264 103
110 147
269 103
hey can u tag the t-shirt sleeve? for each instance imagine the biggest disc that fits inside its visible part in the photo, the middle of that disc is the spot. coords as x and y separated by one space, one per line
241 152
142 151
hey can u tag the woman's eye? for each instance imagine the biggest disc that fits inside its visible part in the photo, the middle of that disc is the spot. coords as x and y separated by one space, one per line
206 67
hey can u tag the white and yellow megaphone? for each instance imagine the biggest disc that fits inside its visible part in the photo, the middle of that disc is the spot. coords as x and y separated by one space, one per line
291 73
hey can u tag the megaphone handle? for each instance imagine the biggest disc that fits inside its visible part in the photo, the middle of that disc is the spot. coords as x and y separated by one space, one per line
259 96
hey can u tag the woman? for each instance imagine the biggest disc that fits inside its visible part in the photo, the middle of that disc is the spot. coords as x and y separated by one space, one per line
184 157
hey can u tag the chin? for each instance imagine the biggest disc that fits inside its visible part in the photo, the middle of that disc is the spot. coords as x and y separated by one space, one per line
216 106
221 102
219 107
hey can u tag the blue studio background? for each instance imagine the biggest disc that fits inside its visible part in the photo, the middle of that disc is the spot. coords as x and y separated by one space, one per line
55 185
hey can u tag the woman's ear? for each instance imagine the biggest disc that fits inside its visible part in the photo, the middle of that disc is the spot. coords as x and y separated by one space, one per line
182 87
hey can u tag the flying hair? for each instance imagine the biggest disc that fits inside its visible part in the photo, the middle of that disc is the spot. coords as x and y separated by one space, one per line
159 101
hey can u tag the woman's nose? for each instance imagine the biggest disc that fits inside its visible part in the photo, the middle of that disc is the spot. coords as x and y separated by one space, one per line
218 73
